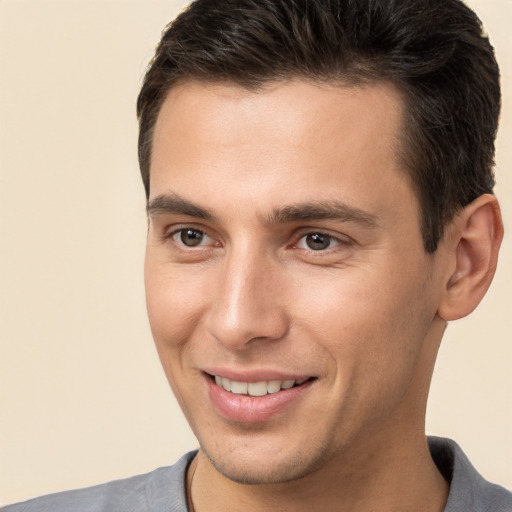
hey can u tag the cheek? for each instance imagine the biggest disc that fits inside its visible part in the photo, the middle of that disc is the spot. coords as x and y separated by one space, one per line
174 300
174 311
373 326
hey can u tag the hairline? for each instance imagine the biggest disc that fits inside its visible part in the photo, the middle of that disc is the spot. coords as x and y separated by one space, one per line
357 76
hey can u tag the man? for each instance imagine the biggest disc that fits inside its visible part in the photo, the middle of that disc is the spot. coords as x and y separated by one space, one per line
319 184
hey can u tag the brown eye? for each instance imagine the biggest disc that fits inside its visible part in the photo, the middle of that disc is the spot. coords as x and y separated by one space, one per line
191 237
317 242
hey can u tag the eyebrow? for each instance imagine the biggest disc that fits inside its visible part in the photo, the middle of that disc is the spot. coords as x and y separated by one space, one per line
319 210
315 210
174 204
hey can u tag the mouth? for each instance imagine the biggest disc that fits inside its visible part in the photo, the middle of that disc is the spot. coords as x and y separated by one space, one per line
255 400
257 389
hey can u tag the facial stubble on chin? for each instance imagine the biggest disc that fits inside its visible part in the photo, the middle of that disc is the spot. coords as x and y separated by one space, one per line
292 468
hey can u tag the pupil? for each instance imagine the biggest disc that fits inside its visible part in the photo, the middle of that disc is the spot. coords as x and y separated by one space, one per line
191 238
318 241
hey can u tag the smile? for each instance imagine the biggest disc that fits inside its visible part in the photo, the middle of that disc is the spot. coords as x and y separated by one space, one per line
261 388
256 397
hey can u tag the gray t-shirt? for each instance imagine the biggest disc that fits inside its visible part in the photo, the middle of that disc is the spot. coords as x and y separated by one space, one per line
163 490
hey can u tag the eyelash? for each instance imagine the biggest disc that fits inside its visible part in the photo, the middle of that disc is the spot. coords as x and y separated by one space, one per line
303 236
331 239
173 234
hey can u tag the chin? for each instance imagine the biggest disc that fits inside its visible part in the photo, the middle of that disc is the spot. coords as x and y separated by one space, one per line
265 466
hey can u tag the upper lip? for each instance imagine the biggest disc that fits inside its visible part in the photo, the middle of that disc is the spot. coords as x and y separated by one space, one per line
256 375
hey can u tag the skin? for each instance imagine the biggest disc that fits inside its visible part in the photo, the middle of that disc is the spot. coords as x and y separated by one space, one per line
252 174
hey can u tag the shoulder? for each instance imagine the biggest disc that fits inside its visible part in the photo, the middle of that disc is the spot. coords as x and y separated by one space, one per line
151 492
469 491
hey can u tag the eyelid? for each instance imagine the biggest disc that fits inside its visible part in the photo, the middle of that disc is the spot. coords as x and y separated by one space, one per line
334 242
202 243
339 238
170 232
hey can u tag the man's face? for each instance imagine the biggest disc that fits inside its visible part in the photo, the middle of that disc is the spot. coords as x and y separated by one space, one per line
284 249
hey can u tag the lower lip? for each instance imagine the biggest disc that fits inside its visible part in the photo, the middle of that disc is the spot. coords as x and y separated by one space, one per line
251 409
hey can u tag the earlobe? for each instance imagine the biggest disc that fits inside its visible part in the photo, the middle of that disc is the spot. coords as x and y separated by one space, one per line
474 239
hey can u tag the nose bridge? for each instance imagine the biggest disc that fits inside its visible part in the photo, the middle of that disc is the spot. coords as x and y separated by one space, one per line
246 306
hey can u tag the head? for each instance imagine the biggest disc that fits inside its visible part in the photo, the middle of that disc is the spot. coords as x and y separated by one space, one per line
316 176
433 51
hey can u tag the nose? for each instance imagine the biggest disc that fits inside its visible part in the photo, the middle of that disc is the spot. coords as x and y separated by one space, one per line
246 305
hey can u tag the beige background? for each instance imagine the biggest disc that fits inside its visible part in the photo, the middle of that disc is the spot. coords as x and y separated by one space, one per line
82 396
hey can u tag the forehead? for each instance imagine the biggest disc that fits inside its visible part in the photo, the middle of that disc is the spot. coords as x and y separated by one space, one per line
288 140
299 111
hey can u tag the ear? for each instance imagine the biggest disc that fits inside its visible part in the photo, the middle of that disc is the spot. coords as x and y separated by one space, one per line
472 242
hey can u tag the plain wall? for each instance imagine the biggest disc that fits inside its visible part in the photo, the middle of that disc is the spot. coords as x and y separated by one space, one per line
82 397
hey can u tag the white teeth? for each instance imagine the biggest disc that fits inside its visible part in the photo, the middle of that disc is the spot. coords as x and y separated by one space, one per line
274 386
287 384
256 388
226 384
239 388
